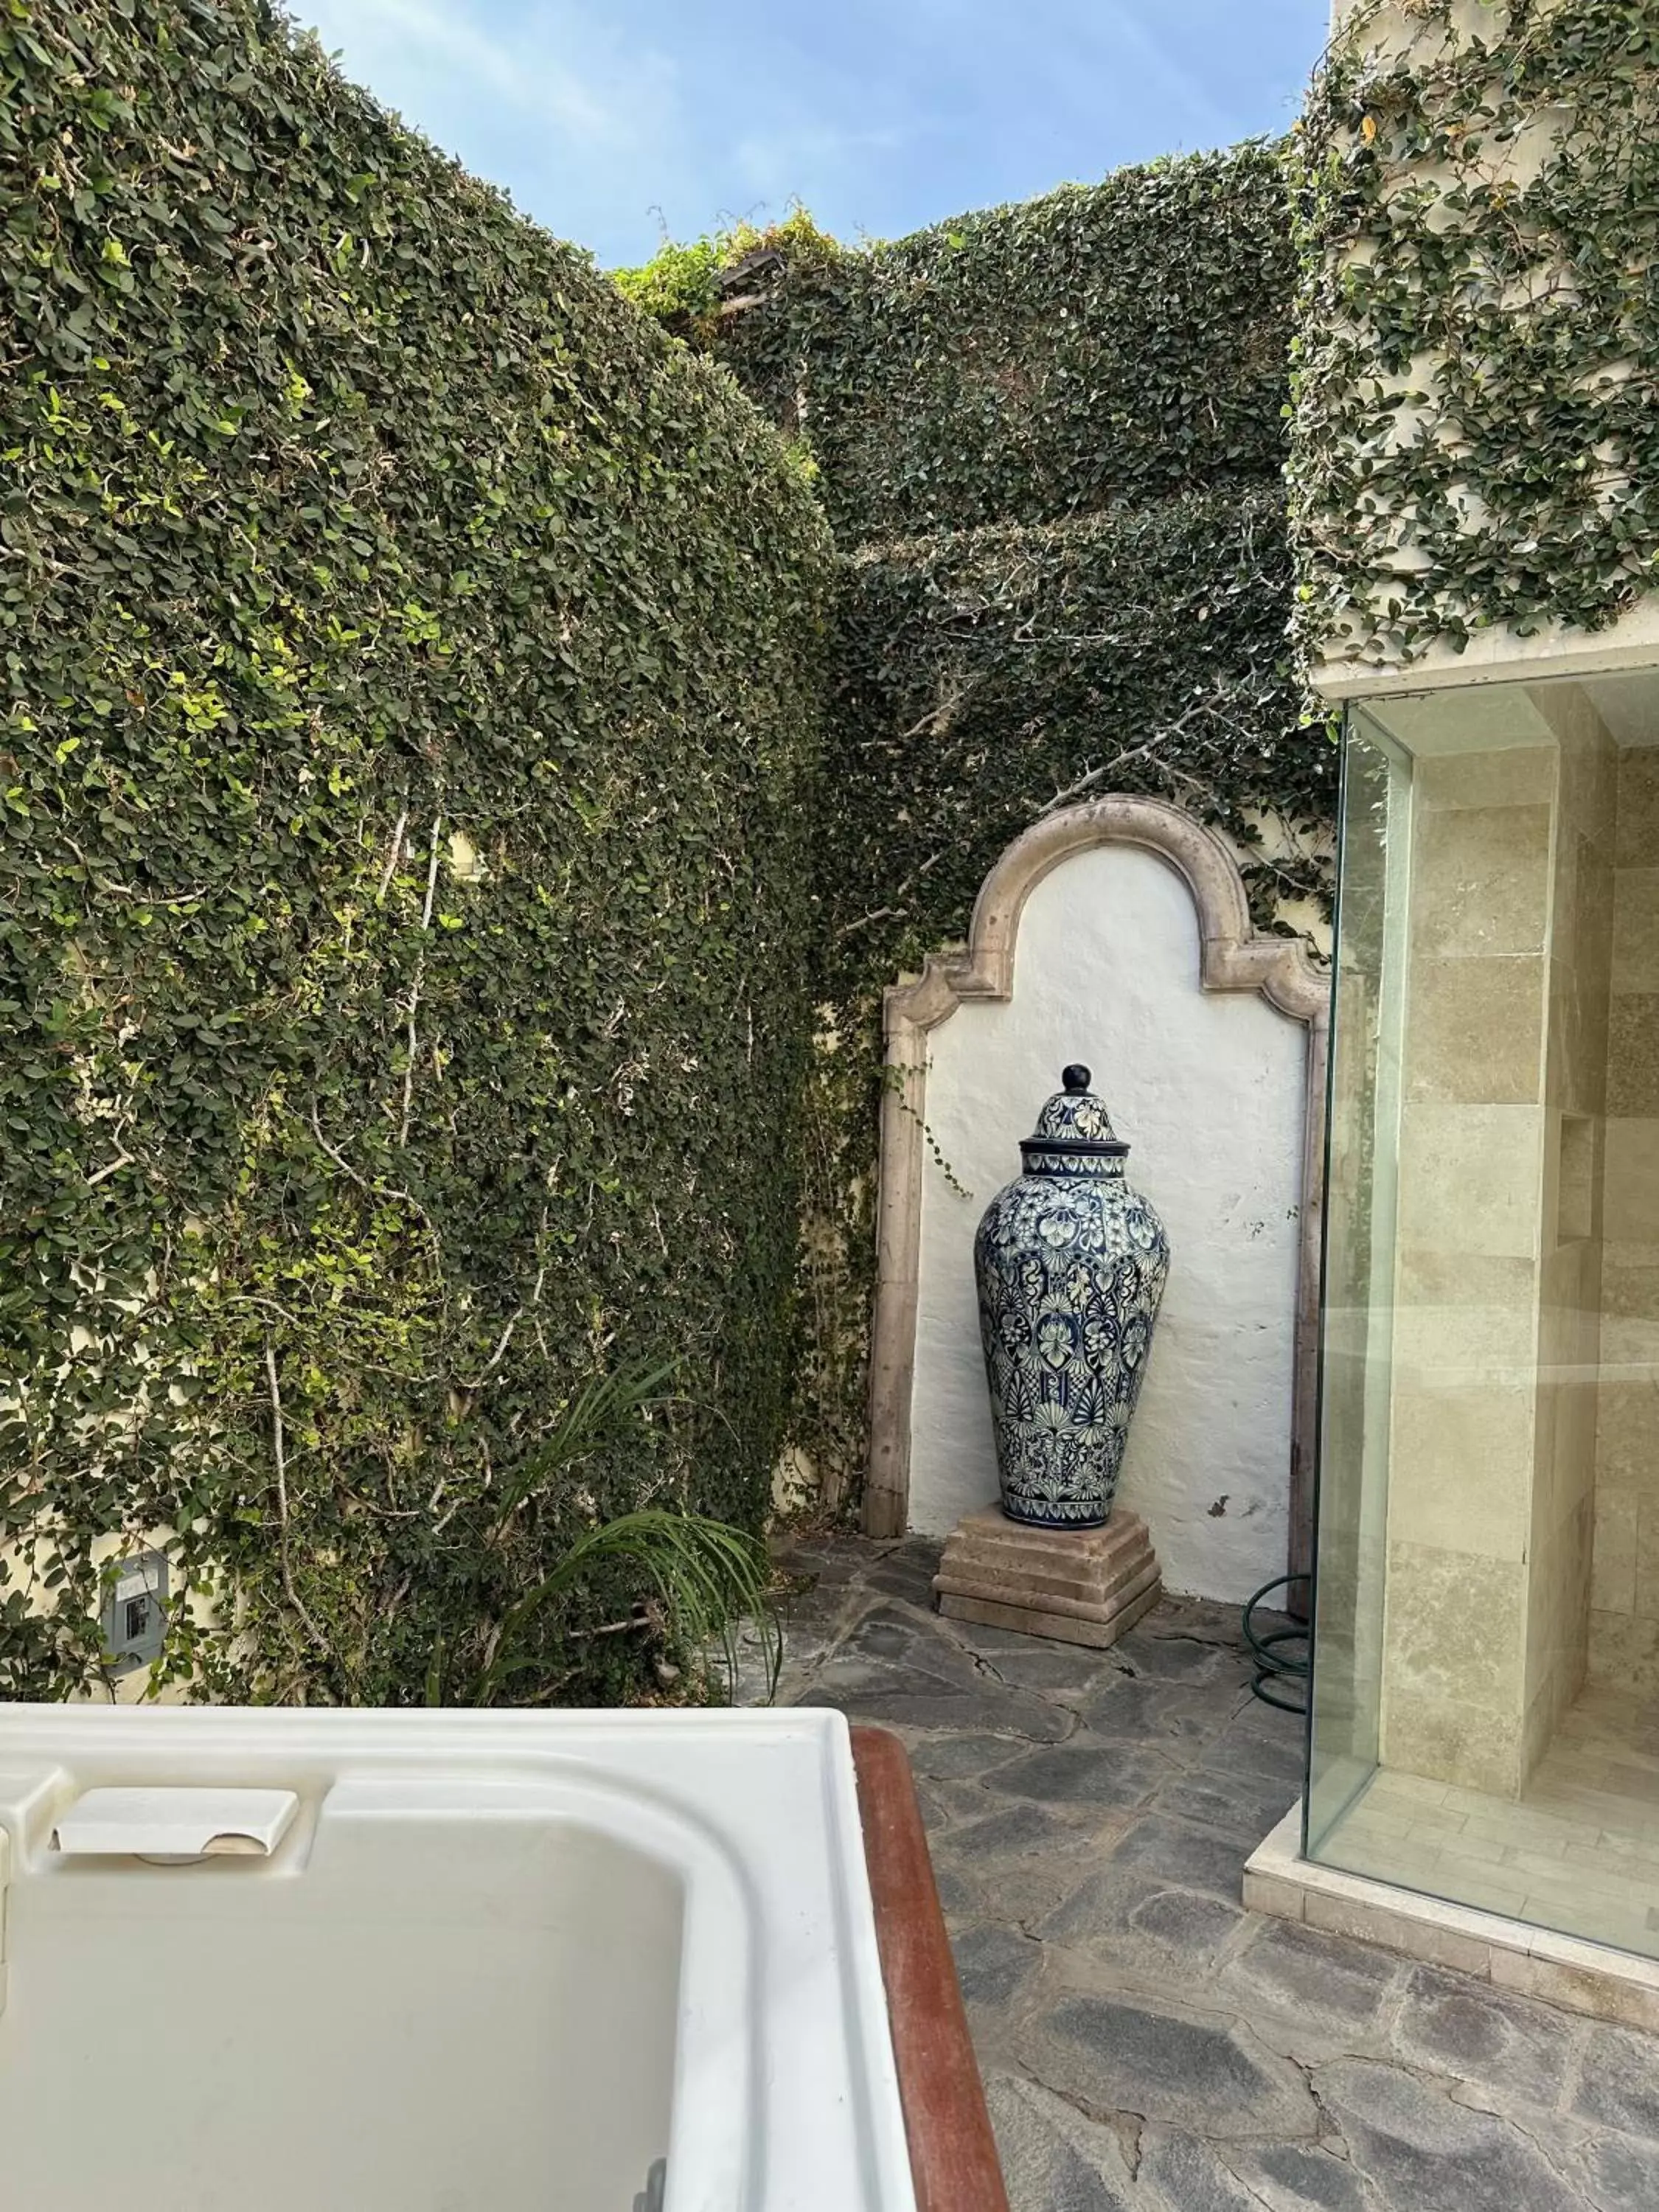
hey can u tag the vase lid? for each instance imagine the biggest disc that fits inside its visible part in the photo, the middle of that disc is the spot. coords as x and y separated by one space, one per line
1074 1119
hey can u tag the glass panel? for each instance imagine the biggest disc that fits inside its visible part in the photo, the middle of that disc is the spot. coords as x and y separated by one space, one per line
1358 1306
1486 1691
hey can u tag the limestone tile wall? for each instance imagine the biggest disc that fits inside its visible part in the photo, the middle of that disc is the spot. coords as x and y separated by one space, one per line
1579 963
1475 1124
1623 1640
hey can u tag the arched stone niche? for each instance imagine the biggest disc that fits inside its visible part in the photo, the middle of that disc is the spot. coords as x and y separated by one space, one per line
1116 932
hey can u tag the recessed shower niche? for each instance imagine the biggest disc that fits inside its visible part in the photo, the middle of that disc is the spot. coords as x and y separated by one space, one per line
1485 1695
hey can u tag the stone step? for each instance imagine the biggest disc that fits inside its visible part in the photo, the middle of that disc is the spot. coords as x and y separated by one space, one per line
1072 1585
1075 1559
1058 1628
1097 1605
970 1579
1062 1572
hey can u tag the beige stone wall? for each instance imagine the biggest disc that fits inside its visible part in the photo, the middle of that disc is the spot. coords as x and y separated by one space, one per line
1623 1642
1579 965
1464 1418
1524 1448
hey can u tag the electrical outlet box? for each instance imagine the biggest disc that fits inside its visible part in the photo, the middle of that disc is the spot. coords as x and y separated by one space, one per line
134 1615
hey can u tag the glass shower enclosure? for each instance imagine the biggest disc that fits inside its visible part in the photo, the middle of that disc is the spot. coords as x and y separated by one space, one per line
1485 1708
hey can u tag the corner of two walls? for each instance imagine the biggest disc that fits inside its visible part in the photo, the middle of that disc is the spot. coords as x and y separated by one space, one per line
1034 614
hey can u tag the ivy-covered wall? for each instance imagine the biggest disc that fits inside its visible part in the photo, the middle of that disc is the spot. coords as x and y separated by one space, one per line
410 682
1106 344
1477 395
1050 439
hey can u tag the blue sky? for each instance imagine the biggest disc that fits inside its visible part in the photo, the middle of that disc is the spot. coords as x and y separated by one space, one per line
610 121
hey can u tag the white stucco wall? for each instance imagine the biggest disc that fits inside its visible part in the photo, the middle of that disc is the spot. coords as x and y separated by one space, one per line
1208 1089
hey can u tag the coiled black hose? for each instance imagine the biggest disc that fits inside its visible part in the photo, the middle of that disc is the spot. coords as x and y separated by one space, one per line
1282 1656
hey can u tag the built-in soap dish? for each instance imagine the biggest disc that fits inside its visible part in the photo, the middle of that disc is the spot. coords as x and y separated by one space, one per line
175 1826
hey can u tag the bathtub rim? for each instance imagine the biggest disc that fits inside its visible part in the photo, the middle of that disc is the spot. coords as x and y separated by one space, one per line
805 1889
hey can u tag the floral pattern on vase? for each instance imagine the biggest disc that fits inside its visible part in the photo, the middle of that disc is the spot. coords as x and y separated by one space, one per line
1071 1264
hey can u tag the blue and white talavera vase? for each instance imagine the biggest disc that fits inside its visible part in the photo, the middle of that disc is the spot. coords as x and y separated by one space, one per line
1071 1264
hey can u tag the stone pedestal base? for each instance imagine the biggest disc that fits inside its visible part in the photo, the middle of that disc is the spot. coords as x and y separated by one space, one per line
1076 1585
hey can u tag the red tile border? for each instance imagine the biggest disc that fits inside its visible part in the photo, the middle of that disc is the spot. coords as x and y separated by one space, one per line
953 2153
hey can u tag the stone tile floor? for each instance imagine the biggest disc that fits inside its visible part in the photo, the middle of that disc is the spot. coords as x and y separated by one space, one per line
1579 1851
1146 2045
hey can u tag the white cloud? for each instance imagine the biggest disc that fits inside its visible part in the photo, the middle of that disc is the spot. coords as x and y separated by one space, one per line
545 63
549 97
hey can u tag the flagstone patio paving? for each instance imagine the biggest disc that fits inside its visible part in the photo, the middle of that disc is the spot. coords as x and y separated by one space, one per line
1147 2045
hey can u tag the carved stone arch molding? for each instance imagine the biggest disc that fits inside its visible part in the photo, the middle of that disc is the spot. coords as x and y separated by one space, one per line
1232 957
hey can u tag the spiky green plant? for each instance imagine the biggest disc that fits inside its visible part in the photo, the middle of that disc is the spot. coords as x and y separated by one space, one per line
708 1575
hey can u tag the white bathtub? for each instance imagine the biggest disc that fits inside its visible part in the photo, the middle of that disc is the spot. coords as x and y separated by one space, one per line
498 1962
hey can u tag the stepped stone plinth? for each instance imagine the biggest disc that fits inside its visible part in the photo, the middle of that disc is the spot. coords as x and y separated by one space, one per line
1076 1585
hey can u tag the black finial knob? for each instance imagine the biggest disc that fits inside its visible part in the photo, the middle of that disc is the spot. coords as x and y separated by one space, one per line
1076 1076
